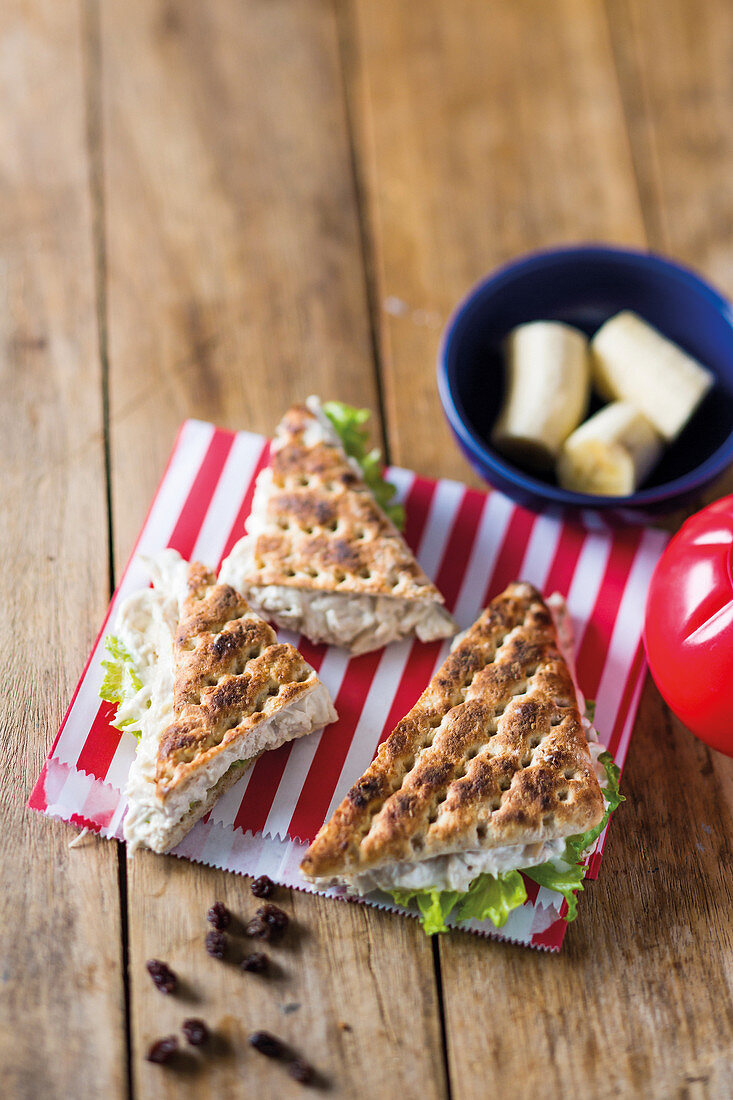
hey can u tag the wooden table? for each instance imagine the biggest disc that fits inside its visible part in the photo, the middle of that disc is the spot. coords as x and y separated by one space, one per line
211 209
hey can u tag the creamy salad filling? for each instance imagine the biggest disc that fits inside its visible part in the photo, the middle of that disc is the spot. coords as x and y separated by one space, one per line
453 872
146 623
358 623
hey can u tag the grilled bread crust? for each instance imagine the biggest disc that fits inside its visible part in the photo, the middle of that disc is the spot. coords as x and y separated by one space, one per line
231 675
324 531
492 754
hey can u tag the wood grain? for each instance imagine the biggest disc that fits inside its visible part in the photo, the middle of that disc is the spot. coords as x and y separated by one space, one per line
675 62
62 1030
280 196
481 134
235 285
235 276
348 989
477 139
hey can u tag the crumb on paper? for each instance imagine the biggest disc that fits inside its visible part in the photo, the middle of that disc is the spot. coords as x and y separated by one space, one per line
76 842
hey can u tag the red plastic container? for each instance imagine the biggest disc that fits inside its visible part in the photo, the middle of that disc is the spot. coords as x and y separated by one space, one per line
688 632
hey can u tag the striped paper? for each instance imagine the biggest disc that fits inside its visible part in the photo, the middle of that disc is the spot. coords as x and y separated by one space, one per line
472 544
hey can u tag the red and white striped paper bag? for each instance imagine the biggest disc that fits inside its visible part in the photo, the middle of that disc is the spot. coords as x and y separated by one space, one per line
472 544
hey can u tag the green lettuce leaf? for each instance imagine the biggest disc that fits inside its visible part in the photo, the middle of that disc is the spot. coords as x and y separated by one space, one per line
576 845
565 882
612 791
492 897
435 907
121 682
489 897
568 878
349 423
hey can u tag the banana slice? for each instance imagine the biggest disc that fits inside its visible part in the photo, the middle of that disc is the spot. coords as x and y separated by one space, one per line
633 362
547 389
611 453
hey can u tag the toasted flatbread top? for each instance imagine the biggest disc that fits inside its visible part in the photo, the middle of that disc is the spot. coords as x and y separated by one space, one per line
493 753
230 675
319 528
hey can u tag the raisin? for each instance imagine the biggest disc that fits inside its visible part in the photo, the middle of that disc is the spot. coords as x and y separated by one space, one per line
163 977
256 963
269 1045
262 887
219 916
216 943
163 1050
301 1071
196 1032
259 928
274 917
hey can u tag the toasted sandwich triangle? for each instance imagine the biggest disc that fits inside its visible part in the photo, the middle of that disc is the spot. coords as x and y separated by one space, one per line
319 551
493 754
237 691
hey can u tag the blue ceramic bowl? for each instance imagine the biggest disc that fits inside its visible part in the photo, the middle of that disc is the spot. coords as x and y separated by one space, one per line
585 286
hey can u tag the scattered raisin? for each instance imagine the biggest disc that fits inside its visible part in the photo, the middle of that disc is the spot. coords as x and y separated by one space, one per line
259 928
163 1050
216 943
219 916
301 1071
269 1045
272 1047
196 1032
163 977
256 963
262 887
274 917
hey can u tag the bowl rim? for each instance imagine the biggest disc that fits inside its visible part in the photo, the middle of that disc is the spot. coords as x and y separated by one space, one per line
478 448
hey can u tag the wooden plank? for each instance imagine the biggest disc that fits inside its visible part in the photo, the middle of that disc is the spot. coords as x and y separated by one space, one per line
479 138
351 989
63 1028
482 134
235 286
675 75
674 61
